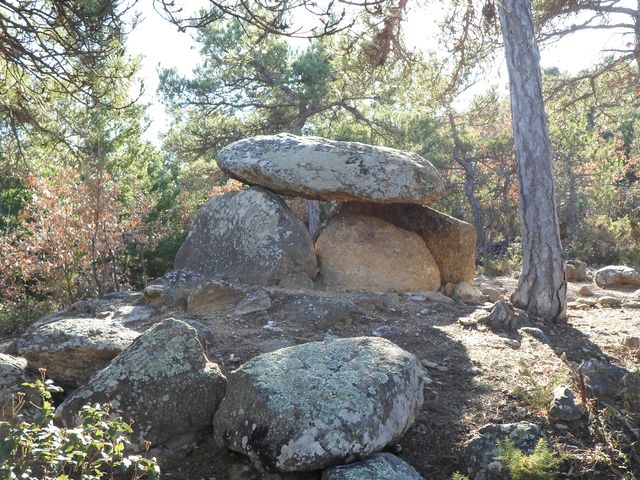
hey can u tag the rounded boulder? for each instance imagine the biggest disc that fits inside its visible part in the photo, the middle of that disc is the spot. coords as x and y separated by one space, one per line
320 404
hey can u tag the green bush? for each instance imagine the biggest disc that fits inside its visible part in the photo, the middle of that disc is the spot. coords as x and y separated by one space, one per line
542 464
95 450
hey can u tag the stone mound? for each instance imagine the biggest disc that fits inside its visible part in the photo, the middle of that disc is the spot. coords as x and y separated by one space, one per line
317 168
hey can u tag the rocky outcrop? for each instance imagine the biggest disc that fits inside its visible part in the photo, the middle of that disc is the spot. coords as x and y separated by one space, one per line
73 349
452 242
13 373
379 466
320 404
617 276
163 382
358 252
322 169
250 236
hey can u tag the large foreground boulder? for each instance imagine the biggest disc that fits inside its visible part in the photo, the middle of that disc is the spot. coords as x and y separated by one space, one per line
617 276
358 252
452 242
322 169
73 349
163 382
320 404
379 466
251 236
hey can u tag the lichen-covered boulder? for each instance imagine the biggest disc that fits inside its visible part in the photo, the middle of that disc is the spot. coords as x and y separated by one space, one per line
452 242
163 382
250 236
358 252
13 373
564 407
73 349
379 466
322 169
320 404
617 276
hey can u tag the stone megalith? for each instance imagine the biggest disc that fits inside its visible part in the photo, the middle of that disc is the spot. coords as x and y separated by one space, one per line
452 242
317 168
251 236
320 404
163 382
358 252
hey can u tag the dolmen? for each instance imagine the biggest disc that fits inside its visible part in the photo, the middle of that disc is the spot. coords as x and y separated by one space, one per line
382 235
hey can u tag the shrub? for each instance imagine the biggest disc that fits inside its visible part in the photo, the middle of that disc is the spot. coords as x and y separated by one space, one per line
542 464
537 394
40 450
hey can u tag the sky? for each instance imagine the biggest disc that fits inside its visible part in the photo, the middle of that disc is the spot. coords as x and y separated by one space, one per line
162 46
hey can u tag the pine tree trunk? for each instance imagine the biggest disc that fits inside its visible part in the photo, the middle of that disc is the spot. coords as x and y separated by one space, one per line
542 287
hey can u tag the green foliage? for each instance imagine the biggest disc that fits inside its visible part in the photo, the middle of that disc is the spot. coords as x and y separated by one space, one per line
536 393
459 476
542 464
94 450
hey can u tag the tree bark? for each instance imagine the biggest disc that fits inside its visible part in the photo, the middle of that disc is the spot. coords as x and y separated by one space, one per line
542 287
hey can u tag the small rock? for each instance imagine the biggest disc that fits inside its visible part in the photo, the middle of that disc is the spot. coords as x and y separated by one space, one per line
576 271
474 370
379 466
608 301
442 368
212 295
439 298
272 326
632 343
505 317
632 304
590 302
510 342
414 297
257 301
564 406
493 294
381 331
428 364
560 426
535 333
449 289
156 295
586 291
468 294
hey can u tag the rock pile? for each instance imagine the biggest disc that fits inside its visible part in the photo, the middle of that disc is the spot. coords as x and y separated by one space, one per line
381 237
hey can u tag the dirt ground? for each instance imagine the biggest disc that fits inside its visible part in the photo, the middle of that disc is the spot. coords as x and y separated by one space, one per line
474 374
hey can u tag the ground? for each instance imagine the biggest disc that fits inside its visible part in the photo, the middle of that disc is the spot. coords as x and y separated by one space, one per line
475 374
